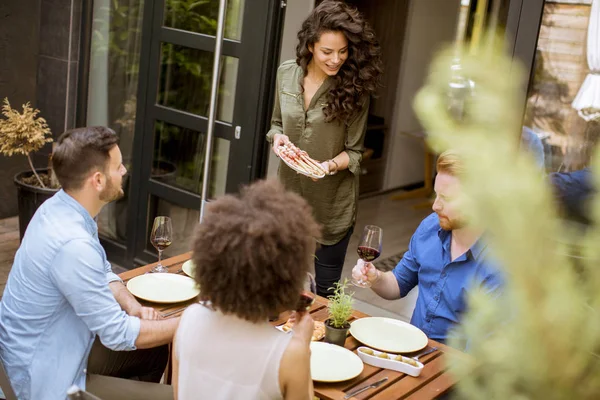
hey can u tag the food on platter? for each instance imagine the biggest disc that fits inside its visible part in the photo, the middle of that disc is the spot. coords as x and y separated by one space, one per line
393 357
407 360
318 331
299 161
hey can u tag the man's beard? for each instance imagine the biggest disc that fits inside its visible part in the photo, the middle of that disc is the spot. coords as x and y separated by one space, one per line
111 192
448 224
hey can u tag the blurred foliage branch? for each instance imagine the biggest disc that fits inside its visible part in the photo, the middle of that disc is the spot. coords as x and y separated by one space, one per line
541 338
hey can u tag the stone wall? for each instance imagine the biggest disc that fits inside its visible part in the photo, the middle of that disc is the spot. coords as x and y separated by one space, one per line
19 47
39 53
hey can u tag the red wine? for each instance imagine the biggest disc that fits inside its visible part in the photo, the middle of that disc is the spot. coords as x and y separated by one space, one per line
367 253
305 301
161 243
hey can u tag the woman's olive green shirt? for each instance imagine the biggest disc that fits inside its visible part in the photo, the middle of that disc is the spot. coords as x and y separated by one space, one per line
332 198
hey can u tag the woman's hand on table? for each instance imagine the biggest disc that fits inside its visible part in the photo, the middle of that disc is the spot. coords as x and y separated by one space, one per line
279 140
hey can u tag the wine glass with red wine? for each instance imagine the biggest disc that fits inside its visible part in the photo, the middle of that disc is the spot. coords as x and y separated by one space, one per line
308 294
369 249
161 236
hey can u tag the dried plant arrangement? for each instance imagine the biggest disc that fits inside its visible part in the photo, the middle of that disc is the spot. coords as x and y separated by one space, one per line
23 133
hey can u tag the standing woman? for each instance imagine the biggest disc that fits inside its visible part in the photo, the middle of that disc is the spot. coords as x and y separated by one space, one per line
321 106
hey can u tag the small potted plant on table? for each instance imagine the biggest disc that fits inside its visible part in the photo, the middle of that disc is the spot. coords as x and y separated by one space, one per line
340 311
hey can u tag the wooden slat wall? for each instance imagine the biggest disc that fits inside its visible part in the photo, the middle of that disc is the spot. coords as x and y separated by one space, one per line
562 43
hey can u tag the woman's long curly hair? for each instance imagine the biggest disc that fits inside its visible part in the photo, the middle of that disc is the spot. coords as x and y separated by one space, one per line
360 75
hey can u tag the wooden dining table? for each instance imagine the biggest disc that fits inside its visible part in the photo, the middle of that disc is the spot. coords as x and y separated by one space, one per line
434 380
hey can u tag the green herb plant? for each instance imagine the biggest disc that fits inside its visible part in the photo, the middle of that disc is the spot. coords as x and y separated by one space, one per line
340 305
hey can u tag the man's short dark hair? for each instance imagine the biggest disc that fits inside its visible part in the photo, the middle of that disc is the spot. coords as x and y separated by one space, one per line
252 251
81 151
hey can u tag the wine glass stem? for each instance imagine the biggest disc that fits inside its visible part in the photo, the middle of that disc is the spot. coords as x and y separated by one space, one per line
159 258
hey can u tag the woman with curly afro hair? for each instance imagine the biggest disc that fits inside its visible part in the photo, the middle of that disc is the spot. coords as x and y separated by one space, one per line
321 106
251 254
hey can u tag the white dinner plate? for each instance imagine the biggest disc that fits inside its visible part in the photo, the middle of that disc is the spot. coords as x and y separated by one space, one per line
188 267
331 363
163 287
387 334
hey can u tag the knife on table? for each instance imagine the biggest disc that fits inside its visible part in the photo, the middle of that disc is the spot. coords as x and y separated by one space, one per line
362 389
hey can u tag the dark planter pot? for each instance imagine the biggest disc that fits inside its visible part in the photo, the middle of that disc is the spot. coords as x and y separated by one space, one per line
29 198
335 335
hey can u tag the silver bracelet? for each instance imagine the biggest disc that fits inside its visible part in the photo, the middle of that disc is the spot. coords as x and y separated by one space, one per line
336 167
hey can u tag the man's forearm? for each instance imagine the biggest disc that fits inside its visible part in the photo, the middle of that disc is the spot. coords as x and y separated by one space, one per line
156 333
387 286
125 299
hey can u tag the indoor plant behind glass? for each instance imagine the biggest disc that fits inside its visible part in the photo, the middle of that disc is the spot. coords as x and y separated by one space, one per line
25 133
340 311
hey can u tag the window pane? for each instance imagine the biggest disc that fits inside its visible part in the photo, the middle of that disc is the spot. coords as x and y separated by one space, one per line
560 69
186 77
113 83
201 16
184 221
179 159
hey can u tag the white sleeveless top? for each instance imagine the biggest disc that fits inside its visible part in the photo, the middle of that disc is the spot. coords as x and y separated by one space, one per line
224 357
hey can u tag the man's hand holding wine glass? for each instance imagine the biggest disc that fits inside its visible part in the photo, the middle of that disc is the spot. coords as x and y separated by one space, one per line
365 272
369 249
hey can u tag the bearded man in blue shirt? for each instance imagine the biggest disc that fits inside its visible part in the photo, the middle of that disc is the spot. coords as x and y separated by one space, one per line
61 293
446 258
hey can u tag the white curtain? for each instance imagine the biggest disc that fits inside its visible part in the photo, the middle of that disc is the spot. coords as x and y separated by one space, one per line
587 101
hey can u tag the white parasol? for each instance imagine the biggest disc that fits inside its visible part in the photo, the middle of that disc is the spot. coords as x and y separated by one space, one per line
587 101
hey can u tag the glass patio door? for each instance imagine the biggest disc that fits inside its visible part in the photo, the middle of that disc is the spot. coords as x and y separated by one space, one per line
172 111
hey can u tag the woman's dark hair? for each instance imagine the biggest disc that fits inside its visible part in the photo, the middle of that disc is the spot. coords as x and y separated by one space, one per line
81 151
359 77
252 251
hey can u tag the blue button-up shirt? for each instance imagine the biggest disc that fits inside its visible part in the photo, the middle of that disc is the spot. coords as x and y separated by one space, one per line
443 283
57 300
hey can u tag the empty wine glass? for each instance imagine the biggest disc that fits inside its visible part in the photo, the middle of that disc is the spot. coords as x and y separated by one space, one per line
161 236
369 248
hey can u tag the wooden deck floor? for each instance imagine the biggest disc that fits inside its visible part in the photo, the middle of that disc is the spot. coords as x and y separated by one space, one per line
9 243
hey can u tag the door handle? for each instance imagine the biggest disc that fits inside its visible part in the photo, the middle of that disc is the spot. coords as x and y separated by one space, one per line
238 132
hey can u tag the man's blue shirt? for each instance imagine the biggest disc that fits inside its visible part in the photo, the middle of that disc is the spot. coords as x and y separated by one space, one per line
443 283
57 300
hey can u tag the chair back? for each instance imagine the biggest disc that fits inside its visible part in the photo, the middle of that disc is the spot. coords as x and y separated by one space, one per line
7 390
75 393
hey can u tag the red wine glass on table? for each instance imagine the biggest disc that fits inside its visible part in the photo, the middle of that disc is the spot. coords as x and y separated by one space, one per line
161 236
369 249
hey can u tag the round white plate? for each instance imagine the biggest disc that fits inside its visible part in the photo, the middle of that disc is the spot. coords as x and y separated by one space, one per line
188 267
163 287
331 363
387 334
